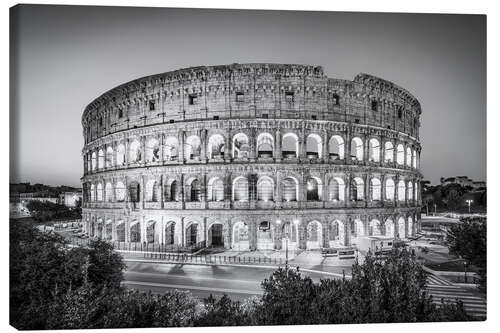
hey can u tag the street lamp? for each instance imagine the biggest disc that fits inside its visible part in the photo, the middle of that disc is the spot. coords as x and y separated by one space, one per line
469 201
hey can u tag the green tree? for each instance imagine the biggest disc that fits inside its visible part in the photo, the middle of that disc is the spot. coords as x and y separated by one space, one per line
222 312
468 240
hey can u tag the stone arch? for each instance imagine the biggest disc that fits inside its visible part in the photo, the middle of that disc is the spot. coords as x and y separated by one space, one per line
357 189
109 157
414 159
108 189
376 189
153 191
94 161
100 228
240 189
290 187
290 145
120 191
193 190
241 148
314 235
120 155
410 190
314 146
373 150
171 148
265 235
135 153
100 157
265 189
401 228
108 229
151 232
135 231
375 228
215 235
215 189
389 152
192 233
408 156
357 149
265 145
120 231
152 150
336 189
410 227
401 190
134 191
336 233
171 191
400 154
314 189
216 145
99 192
92 192
291 231
389 228
389 189
170 238
192 147
240 239
336 147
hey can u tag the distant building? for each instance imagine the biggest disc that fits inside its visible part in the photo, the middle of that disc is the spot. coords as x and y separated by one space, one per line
69 199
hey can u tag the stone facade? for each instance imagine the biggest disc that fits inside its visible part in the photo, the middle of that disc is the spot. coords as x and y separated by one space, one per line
245 155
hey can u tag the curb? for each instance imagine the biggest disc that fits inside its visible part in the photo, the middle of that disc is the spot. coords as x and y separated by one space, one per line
238 265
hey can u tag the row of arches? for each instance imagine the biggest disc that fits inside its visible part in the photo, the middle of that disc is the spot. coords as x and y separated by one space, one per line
263 189
241 147
243 236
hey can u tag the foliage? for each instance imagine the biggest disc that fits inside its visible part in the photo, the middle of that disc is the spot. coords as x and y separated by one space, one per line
46 211
223 312
468 240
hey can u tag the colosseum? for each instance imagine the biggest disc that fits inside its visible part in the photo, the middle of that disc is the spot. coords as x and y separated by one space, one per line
246 156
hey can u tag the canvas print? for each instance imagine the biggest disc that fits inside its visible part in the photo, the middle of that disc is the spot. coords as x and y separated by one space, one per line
201 167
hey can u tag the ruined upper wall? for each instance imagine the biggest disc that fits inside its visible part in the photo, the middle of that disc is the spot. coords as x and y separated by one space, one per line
251 91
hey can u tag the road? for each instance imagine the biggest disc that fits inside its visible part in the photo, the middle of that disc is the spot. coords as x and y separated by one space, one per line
237 282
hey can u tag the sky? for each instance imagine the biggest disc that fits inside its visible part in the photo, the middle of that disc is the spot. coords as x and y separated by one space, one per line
62 57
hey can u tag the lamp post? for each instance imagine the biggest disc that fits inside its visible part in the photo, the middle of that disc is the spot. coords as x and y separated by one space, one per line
469 202
435 206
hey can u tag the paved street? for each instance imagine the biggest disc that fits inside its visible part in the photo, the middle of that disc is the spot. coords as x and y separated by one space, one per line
201 280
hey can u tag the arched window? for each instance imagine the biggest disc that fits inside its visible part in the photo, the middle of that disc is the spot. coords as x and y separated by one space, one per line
389 228
170 233
216 146
99 192
313 146
410 191
374 150
135 232
290 189
100 156
92 192
290 145
134 192
375 189
171 190
171 149
357 149
336 189
194 190
120 191
192 148
408 156
313 188
357 189
401 190
240 189
152 191
265 145
120 155
414 159
241 149
135 153
150 232
215 189
400 155
109 157
375 229
152 150
265 189
109 192
389 152
94 161
120 231
336 147
389 189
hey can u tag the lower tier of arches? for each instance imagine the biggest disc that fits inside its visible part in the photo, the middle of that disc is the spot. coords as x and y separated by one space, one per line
251 231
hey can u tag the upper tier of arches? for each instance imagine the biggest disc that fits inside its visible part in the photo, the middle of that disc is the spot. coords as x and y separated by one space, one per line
249 91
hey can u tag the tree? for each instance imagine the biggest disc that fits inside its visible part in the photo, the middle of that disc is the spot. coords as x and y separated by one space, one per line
468 240
222 312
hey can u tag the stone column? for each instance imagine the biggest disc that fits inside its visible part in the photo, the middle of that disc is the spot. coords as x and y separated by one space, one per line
161 139
382 150
127 153
366 151
228 147
324 179
325 154
143 148
253 145
252 230
367 196
277 145
180 153
347 152
347 189
382 189
203 142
